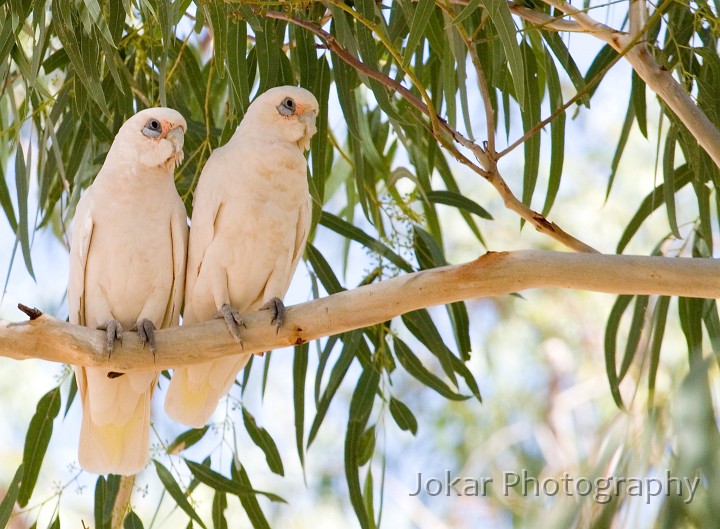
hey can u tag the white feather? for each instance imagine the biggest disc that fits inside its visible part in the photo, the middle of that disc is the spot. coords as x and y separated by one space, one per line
127 262
250 221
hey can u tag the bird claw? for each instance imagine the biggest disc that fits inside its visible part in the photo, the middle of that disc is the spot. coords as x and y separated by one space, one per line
146 329
114 332
232 320
277 311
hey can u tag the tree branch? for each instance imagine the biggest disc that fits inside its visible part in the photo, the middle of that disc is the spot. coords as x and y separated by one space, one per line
493 274
545 21
489 169
655 76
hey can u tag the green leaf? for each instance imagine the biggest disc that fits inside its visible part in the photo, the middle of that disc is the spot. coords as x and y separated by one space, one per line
669 179
132 521
6 201
116 20
650 203
321 148
637 96
346 80
502 20
237 67
367 446
347 355
530 117
449 180
36 442
218 510
93 7
403 416
611 332
7 34
168 481
300 367
690 311
605 57
467 11
350 231
557 134
556 44
633 340
369 51
461 328
8 502
71 37
72 392
427 252
414 367
266 372
106 490
186 440
704 240
268 55
56 523
251 18
23 229
450 198
360 407
420 324
249 502
423 13
264 441
220 483
712 324
323 270
661 312
217 14
622 142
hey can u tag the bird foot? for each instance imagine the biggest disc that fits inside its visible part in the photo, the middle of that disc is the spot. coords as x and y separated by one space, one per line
232 320
277 311
114 332
146 329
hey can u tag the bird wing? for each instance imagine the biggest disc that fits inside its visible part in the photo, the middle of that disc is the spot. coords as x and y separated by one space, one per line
79 249
206 207
179 246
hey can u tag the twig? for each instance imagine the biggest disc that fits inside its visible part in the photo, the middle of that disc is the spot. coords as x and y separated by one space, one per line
493 274
579 95
482 85
33 313
655 76
545 21
488 171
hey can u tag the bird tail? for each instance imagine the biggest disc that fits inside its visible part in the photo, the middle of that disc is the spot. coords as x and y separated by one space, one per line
194 391
115 431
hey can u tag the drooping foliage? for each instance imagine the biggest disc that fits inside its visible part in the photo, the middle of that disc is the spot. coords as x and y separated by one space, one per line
420 86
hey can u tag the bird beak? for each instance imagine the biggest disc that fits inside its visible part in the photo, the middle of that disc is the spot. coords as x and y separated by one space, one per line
308 119
176 136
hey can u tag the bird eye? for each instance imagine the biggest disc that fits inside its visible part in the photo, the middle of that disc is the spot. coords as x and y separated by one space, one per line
152 128
287 107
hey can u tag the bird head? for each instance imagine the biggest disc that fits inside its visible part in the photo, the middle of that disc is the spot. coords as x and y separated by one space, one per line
153 137
286 112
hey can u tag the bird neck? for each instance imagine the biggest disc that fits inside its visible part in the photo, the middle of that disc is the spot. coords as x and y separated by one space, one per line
121 173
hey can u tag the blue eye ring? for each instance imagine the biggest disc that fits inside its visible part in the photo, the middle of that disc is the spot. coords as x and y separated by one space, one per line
287 107
152 128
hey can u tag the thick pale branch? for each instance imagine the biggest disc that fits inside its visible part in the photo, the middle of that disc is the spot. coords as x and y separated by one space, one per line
544 20
493 274
655 76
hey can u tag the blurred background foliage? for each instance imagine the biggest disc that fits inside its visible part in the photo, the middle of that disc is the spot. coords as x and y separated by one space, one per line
400 84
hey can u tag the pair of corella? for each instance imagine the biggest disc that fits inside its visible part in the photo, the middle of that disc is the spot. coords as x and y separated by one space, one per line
250 222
